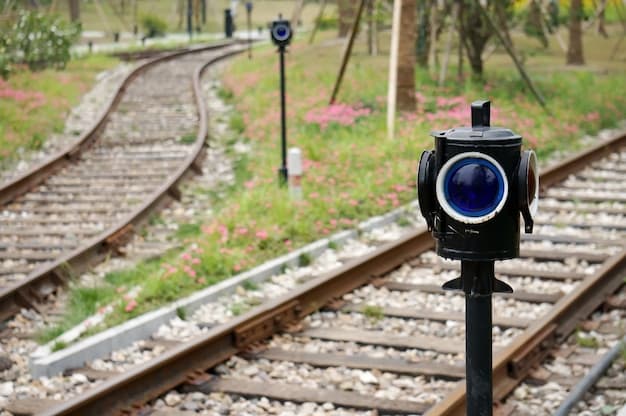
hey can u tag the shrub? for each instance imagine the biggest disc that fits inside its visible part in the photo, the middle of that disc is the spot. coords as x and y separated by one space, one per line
37 40
329 22
153 25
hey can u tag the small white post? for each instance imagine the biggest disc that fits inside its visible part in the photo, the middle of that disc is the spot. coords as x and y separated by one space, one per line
393 68
294 167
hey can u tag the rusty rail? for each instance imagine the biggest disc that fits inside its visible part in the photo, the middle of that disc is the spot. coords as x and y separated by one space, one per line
134 388
27 292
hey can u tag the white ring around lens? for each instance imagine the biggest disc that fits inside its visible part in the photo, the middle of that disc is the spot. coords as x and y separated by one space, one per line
441 194
278 37
532 167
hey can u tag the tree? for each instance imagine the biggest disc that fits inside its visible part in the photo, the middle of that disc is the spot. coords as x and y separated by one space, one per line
405 90
74 10
347 10
476 31
423 32
533 25
575 47
602 19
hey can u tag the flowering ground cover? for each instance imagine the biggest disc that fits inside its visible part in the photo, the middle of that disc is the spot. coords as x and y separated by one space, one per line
34 104
352 170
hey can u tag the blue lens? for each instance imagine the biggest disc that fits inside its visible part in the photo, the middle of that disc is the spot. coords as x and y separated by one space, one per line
281 31
473 187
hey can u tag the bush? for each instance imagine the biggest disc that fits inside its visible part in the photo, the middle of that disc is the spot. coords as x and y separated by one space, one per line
153 25
329 22
37 40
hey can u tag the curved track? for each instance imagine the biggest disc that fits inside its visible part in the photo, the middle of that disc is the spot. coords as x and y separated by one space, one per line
84 202
302 345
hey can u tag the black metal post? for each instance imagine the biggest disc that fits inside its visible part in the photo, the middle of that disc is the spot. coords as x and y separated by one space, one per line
478 359
478 340
189 18
249 10
282 171
478 281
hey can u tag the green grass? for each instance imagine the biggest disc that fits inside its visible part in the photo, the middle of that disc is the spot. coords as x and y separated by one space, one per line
34 104
586 342
263 12
239 308
375 313
250 285
304 260
188 138
83 302
188 231
59 345
181 313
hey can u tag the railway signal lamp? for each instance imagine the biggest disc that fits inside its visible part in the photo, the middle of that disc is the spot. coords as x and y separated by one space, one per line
229 25
280 31
472 189
249 19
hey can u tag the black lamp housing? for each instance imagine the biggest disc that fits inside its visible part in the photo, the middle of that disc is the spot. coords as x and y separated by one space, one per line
281 32
473 187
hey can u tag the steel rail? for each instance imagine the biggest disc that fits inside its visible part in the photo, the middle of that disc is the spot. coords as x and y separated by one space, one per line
29 290
182 364
173 367
576 162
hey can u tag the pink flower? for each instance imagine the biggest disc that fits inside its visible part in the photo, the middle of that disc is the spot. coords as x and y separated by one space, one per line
242 231
185 256
131 305
341 114
261 235
195 261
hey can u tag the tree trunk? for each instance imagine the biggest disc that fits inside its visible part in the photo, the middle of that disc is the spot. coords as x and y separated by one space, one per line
74 10
433 60
533 26
423 33
370 27
347 9
575 48
405 90
475 34
602 19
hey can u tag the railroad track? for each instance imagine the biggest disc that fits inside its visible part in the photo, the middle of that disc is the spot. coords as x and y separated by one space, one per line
379 334
84 202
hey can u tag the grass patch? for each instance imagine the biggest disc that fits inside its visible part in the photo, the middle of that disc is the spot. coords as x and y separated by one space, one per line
188 231
236 123
181 313
403 221
250 285
59 345
188 138
373 312
586 342
239 308
304 260
34 104
83 302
